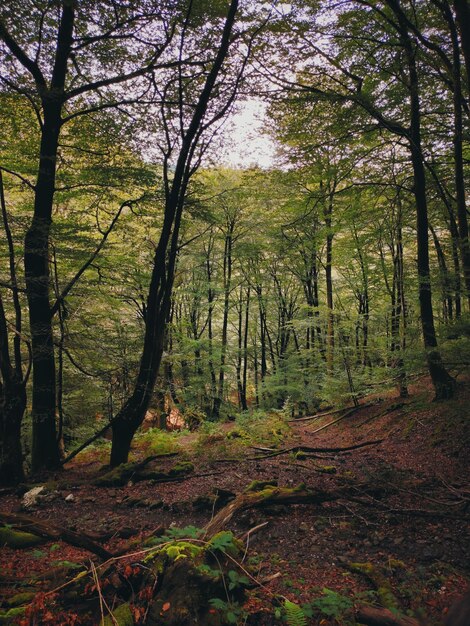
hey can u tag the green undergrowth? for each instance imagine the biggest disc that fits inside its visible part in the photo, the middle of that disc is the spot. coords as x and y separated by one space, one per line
157 441
268 429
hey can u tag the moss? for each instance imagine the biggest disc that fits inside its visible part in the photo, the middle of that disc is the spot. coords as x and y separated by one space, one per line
122 615
20 598
261 485
326 469
386 597
117 477
300 456
384 590
236 434
182 467
18 539
10 616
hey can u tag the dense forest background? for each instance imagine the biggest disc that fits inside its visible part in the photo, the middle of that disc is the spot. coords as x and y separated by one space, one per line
139 272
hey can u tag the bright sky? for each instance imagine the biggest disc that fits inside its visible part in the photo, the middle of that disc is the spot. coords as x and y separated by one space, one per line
244 143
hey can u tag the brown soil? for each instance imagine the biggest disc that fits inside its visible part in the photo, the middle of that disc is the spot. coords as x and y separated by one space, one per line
415 531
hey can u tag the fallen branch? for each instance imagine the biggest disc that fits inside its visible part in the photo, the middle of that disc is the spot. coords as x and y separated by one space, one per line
342 417
391 409
259 499
371 616
318 415
52 532
308 449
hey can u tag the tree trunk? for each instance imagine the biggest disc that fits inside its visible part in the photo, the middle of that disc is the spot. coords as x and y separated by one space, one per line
462 12
45 449
330 338
227 286
12 407
443 383
159 296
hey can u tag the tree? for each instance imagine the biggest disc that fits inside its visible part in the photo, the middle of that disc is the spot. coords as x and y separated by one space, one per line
53 73
206 110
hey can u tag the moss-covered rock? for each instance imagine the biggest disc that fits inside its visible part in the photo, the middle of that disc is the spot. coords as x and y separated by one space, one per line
18 539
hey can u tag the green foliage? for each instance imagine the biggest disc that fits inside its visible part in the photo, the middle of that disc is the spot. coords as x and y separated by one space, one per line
294 615
232 612
332 604
224 541
236 580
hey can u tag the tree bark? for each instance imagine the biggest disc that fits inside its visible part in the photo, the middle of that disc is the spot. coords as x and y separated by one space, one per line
443 383
45 450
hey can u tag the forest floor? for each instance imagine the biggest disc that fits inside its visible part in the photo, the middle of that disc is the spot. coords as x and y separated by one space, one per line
399 506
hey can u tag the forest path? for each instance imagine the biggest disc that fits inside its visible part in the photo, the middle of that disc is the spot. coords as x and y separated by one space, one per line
400 505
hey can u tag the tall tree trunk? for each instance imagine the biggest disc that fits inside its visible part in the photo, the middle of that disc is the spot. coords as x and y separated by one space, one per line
443 383
161 284
45 449
245 350
228 244
462 12
458 157
447 302
12 384
330 339
12 407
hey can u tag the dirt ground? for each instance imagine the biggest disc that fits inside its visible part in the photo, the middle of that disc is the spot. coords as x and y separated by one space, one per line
412 527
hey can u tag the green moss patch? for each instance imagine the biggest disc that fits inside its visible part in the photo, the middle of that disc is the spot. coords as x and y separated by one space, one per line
18 539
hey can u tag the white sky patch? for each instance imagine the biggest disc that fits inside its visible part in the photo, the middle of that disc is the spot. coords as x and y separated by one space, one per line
244 143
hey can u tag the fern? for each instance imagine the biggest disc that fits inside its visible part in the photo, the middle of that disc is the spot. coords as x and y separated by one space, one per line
295 615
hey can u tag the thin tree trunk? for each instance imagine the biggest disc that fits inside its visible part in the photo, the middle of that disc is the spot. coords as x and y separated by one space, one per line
245 351
227 287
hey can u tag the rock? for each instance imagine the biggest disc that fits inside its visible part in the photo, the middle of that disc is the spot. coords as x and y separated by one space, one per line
70 498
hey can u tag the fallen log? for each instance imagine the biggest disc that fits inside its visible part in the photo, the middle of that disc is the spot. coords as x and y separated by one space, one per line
48 531
342 417
372 616
266 497
318 415
391 409
309 449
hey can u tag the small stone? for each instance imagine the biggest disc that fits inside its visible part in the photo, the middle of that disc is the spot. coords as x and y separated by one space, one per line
70 498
